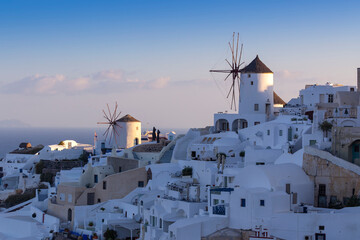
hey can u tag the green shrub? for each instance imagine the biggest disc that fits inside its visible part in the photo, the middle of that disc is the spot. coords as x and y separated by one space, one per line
39 167
16 199
354 201
47 177
187 171
110 234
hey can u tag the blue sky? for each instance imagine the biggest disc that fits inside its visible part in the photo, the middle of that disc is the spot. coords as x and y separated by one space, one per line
64 60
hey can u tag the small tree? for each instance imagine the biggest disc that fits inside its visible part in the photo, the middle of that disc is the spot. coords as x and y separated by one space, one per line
325 126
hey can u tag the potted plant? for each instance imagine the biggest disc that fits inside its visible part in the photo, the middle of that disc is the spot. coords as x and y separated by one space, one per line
95 236
102 209
242 155
325 126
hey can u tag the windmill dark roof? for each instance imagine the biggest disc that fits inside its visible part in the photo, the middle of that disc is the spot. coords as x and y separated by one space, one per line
278 100
128 118
256 66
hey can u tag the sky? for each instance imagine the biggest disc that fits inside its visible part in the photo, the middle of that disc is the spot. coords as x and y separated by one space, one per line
61 62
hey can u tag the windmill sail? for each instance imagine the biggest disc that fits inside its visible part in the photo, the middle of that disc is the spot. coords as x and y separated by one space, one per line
234 70
111 121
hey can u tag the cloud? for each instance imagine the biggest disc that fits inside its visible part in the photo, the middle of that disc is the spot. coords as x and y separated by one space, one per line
101 82
158 83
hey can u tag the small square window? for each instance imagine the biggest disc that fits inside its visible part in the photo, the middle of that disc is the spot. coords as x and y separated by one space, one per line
249 75
140 183
262 202
268 132
331 98
256 107
243 202
252 82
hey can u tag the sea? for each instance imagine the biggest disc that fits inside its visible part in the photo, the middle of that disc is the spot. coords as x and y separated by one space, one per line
10 138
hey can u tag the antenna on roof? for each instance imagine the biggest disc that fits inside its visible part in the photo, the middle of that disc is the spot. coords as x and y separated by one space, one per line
112 123
234 70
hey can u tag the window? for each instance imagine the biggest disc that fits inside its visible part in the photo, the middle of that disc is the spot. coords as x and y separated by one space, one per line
99 200
193 154
216 202
140 183
256 107
322 190
120 169
69 198
260 163
160 223
252 82
249 75
62 196
287 188
294 198
104 185
268 132
262 202
256 123
331 98
280 133
296 129
352 89
243 202
95 178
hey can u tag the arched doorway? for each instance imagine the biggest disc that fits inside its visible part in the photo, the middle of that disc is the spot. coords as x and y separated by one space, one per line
69 217
222 125
239 124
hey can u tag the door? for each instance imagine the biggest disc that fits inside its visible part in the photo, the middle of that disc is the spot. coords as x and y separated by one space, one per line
355 151
90 198
69 215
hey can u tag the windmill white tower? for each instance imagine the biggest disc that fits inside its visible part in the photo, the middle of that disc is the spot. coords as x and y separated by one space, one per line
256 102
122 132
130 131
255 88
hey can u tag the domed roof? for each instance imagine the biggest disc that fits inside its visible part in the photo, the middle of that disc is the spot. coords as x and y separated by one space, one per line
127 118
256 66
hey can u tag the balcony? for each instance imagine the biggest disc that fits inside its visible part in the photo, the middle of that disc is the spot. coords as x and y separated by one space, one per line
219 210
341 113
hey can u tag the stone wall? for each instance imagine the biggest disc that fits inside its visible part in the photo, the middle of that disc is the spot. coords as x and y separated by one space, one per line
117 186
342 138
124 163
341 178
